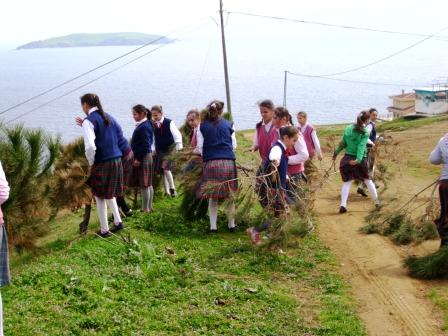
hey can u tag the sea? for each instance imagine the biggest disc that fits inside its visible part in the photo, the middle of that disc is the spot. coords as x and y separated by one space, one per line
189 74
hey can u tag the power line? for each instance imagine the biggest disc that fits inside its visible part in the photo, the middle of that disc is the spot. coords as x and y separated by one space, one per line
83 85
386 57
334 25
89 71
349 80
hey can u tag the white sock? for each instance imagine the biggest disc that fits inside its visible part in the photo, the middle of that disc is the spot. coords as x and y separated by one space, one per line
151 197
231 214
112 203
101 209
166 184
344 192
145 198
372 190
213 213
169 177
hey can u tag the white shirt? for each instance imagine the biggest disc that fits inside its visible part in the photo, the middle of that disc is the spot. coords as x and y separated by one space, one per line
276 153
88 132
301 150
369 129
267 128
199 148
314 137
174 131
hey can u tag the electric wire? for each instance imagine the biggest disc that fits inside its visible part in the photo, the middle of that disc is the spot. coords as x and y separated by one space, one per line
88 72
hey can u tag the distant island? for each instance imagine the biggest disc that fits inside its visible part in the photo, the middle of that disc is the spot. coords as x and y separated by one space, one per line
94 40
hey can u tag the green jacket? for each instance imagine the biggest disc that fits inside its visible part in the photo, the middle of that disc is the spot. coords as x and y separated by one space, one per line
354 143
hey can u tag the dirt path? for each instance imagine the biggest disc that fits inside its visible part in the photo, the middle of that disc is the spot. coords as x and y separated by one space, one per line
390 303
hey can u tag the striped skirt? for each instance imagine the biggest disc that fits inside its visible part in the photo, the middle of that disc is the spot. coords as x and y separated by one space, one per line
5 277
162 162
358 172
218 179
142 175
106 179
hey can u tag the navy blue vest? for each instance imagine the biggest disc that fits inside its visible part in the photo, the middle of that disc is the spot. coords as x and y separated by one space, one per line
141 141
282 169
163 136
217 140
372 135
106 137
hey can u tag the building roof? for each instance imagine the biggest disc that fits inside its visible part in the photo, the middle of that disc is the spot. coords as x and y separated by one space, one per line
432 89
408 95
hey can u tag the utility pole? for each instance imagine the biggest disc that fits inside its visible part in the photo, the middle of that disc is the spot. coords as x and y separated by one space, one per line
226 71
285 88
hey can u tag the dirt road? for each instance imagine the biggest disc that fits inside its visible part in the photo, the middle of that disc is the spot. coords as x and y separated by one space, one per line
390 303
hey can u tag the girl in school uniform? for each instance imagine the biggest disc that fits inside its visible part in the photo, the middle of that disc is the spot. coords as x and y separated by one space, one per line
353 165
277 182
102 139
309 133
297 155
142 144
440 156
166 135
4 253
265 131
217 144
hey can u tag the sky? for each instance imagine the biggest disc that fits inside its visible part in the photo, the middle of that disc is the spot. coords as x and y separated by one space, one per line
22 21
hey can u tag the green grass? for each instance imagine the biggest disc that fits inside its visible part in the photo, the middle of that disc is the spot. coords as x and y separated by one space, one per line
440 298
172 278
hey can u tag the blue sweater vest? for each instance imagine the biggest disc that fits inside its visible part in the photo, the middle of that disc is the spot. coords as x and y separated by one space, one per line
282 168
217 140
107 138
372 135
141 141
163 136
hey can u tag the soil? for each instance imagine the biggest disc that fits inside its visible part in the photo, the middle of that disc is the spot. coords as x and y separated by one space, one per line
389 301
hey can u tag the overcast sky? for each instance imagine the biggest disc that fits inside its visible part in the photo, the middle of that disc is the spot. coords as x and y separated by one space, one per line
22 21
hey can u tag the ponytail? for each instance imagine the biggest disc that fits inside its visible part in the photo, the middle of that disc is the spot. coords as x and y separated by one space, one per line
214 110
92 100
363 116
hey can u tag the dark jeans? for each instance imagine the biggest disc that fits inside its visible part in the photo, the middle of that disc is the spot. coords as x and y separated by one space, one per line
442 225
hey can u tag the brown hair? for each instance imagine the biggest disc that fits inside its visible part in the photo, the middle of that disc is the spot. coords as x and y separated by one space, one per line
214 110
266 103
194 112
288 131
282 112
157 108
140 109
92 100
302 113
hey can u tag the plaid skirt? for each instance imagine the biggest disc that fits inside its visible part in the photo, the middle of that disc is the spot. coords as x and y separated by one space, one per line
106 179
215 179
161 162
358 172
142 175
5 277
127 170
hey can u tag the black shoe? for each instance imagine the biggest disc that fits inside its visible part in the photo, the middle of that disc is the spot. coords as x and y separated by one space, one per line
128 213
342 210
213 231
117 227
104 234
173 193
233 229
361 192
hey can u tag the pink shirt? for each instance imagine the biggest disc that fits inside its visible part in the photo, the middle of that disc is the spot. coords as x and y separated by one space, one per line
4 191
265 139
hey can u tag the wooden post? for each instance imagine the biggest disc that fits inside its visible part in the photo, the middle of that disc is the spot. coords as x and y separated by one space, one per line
224 52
